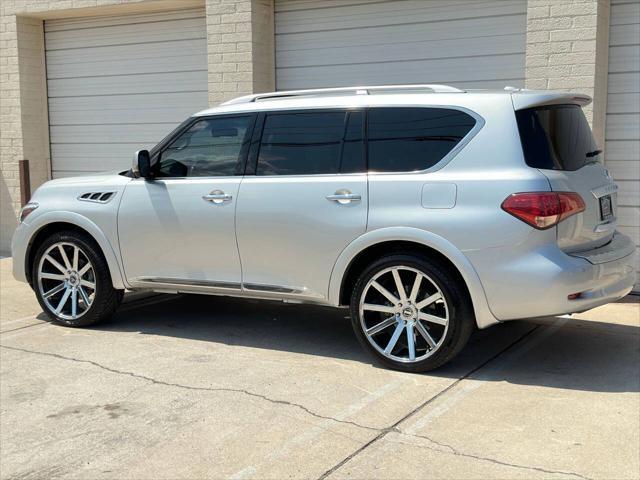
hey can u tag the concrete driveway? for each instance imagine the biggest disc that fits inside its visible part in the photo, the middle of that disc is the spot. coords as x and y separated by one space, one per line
204 387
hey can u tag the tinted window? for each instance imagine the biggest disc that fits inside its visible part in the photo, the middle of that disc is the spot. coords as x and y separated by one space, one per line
556 137
209 148
410 139
309 143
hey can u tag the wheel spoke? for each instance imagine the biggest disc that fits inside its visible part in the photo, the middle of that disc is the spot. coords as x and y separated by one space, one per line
85 297
428 301
411 341
76 257
87 283
65 259
399 286
55 263
54 290
52 276
84 269
416 288
423 331
389 296
63 300
432 318
382 325
378 308
74 303
394 338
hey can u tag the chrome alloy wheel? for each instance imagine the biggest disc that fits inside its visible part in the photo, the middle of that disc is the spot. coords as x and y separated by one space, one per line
66 280
404 314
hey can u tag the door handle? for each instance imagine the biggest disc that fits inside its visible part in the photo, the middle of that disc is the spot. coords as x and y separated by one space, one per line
218 197
344 197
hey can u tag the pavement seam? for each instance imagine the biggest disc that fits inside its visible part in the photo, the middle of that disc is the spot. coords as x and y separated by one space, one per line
191 387
451 450
21 328
394 427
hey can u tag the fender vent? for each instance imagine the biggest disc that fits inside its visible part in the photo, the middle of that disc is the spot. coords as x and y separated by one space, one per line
97 197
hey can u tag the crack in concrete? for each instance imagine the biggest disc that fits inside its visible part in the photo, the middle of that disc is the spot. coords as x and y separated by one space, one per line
191 387
394 427
453 451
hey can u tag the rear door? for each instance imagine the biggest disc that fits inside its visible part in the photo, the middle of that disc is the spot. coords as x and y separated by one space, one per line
304 202
558 141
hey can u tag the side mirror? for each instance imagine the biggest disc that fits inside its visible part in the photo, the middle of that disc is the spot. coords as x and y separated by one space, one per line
142 164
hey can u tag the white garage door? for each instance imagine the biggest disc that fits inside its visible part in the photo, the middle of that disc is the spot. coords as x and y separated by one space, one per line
622 145
467 43
119 84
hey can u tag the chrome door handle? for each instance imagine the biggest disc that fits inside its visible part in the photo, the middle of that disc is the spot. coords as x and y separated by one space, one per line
343 197
218 197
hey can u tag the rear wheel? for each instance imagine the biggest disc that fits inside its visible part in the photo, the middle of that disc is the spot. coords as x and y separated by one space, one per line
72 280
411 313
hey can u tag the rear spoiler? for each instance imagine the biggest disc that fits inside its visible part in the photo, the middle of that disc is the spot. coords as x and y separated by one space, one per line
535 98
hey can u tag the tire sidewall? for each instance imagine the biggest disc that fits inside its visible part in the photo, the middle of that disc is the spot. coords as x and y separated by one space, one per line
461 319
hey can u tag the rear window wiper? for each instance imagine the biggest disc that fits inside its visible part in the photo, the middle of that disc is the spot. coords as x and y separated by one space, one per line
594 153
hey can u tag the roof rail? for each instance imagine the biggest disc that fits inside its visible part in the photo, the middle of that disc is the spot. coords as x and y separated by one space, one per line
366 90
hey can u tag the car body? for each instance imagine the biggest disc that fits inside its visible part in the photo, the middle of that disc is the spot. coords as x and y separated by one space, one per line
262 226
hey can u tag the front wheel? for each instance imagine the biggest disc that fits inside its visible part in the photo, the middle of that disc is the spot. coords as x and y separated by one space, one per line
72 281
411 313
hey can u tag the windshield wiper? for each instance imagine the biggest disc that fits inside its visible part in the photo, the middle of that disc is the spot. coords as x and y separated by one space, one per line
594 153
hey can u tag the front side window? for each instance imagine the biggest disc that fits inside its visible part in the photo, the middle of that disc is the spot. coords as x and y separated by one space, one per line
311 143
408 139
211 147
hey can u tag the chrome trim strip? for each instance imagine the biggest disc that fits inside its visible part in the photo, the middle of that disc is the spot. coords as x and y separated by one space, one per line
273 288
608 189
188 283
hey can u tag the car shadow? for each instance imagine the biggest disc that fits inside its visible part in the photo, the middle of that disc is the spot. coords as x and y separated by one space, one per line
560 353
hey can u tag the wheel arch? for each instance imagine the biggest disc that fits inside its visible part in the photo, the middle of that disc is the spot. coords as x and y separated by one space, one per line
50 224
376 243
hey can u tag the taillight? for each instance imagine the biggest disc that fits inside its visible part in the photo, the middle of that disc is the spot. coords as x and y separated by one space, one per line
543 210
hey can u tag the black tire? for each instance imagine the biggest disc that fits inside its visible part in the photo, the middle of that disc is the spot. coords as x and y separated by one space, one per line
105 299
461 321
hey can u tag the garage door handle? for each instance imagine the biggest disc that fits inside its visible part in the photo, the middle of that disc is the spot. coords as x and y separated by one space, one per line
217 197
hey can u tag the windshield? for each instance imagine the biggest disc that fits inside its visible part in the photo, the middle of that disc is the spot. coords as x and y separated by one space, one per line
556 137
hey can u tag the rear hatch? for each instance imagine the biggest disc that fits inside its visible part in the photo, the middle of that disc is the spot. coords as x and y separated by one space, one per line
557 140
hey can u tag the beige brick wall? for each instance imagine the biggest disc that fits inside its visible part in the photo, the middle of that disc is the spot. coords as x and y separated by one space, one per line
240 45
567 49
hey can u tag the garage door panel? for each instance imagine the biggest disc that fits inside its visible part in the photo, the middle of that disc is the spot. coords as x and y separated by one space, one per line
628 191
624 82
427 50
628 169
121 133
622 126
428 71
623 103
112 93
624 12
123 60
390 13
624 35
466 43
624 59
128 84
124 35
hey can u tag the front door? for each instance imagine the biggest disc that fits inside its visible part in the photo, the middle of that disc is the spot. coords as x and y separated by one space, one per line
179 228
306 201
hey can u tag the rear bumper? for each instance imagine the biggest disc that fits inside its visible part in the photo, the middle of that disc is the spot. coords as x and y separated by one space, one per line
537 282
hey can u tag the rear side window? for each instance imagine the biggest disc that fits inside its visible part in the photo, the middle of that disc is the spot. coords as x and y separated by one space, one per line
412 139
311 143
556 137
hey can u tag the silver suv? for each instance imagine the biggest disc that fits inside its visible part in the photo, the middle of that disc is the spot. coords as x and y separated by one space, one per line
427 210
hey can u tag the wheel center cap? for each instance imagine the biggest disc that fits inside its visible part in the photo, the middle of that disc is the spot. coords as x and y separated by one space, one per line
408 312
74 279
